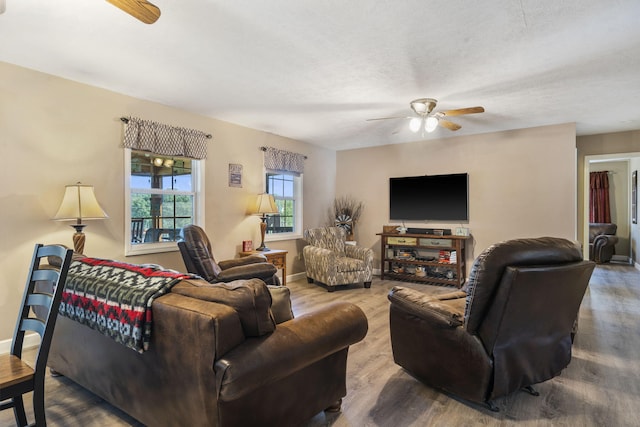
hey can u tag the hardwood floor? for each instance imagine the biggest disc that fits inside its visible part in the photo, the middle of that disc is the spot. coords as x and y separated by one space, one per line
601 386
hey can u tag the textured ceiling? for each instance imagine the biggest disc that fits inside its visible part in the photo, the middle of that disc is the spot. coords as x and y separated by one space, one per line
315 71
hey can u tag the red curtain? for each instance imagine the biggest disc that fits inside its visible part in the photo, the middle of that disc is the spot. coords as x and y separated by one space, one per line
599 210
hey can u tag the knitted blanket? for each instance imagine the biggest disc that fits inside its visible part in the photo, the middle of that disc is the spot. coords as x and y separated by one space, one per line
115 298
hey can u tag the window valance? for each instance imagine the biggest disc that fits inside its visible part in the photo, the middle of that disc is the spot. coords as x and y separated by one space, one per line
159 138
281 160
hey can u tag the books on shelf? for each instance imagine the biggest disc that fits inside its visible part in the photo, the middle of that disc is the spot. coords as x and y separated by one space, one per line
448 257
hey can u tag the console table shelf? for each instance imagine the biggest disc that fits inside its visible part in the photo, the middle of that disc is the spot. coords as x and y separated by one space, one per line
423 258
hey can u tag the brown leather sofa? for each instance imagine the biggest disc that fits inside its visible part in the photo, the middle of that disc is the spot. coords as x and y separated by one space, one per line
217 358
510 329
602 241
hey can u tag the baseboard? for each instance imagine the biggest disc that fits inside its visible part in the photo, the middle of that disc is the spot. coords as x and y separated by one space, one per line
297 276
621 258
30 340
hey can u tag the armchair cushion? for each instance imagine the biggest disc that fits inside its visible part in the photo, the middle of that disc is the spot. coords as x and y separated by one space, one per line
344 264
204 262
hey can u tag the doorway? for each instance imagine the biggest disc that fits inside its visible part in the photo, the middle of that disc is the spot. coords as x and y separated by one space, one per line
619 167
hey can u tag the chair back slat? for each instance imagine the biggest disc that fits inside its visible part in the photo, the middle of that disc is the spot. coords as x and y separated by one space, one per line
33 324
40 300
48 275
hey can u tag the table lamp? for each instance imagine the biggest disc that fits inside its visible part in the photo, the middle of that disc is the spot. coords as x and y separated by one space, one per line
265 204
78 203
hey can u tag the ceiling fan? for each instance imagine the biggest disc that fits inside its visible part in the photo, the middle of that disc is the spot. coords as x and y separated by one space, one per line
140 9
428 120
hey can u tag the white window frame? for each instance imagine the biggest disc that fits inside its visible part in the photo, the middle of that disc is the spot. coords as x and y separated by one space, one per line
297 191
197 170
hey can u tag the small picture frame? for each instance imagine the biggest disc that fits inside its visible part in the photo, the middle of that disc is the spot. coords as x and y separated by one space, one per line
235 175
247 245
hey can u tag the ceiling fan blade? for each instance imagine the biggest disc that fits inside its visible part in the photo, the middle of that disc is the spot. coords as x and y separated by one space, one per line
449 125
389 118
139 9
461 111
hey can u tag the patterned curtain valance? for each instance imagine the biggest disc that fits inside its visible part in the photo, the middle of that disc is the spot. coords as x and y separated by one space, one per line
281 160
163 139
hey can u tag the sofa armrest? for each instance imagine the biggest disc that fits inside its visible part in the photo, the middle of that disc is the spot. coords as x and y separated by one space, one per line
444 312
603 240
252 259
293 346
207 321
360 252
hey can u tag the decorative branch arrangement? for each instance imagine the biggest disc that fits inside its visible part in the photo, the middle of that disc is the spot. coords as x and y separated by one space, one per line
345 213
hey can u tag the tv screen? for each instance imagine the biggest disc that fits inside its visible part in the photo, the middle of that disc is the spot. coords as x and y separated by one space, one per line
429 198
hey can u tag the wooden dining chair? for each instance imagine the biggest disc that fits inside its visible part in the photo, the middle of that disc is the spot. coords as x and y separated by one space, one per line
38 314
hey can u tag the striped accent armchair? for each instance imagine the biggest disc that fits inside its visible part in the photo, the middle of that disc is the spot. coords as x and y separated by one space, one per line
328 260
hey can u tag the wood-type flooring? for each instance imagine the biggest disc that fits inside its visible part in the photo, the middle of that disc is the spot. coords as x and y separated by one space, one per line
600 387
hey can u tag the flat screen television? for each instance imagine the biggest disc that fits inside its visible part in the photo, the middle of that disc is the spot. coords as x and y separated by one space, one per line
429 198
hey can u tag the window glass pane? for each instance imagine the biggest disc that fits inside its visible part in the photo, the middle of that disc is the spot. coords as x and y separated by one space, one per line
282 187
288 188
159 218
162 172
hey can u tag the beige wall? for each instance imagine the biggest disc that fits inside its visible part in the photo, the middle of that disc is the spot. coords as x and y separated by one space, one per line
522 182
612 146
55 132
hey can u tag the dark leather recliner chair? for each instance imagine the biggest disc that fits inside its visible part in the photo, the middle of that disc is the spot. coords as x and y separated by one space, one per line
510 329
198 259
602 241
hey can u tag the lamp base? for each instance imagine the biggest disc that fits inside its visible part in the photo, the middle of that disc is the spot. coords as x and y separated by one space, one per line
78 238
263 229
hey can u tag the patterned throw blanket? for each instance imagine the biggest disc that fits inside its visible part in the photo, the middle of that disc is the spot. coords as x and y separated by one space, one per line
115 298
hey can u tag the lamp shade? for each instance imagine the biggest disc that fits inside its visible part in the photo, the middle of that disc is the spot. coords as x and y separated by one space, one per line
79 202
265 204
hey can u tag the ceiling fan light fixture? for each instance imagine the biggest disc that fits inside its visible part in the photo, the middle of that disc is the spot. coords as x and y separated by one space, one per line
431 124
414 124
418 106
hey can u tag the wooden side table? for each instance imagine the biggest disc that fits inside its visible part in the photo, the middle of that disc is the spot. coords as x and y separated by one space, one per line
277 257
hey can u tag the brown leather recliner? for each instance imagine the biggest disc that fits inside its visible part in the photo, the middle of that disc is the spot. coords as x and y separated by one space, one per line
509 330
602 241
198 259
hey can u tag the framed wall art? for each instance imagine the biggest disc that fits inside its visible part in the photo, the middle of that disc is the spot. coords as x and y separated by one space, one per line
235 175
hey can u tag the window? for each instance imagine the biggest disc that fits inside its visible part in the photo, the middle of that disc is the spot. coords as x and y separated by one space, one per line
163 194
286 189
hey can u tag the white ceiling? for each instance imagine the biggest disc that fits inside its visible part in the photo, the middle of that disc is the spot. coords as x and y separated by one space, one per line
316 70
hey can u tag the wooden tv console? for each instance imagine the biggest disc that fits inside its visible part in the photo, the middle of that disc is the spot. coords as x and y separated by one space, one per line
423 258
